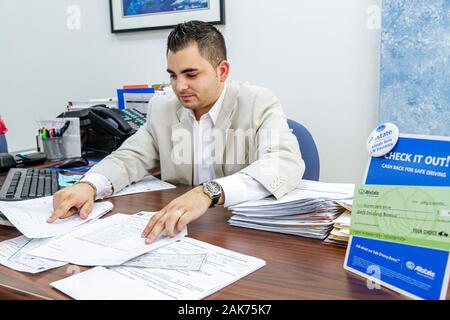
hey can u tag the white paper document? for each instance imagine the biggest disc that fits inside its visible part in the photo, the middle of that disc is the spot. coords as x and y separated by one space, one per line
149 183
171 261
222 268
344 220
346 203
30 217
105 242
14 255
307 192
4 221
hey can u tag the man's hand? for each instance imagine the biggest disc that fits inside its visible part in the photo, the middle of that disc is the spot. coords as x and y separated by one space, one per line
71 200
177 214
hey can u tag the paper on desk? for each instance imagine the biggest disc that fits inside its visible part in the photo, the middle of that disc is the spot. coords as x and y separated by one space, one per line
148 183
157 260
30 217
346 203
103 284
222 268
282 222
105 242
4 221
14 255
344 220
305 193
310 232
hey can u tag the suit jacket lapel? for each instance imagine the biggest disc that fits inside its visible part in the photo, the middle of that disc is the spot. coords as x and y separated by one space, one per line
184 170
223 122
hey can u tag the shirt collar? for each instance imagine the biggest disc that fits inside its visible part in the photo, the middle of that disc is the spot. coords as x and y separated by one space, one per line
213 113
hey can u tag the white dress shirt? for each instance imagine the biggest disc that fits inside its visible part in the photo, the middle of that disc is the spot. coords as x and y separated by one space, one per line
238 187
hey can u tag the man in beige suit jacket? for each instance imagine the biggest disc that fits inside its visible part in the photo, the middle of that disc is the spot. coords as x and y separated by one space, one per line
231 137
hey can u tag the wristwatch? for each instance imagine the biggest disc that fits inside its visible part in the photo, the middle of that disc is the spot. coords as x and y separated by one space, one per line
213 190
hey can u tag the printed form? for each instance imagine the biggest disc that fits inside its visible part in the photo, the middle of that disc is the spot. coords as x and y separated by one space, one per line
222 267
147 184
172 261
14 255
30 217
105 242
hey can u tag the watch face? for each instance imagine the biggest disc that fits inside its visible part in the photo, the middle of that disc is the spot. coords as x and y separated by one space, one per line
213 187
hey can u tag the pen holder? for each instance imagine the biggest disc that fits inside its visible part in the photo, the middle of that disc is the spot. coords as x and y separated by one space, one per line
53 148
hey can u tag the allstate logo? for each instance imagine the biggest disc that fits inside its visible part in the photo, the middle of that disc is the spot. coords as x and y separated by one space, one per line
410 265
381 128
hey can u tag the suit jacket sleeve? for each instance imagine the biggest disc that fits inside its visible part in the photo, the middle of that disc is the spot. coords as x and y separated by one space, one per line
137 156
279 166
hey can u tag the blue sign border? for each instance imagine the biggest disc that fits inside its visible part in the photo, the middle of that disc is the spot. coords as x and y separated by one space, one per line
121 92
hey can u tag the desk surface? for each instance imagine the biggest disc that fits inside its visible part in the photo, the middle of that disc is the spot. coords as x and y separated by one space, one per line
296 268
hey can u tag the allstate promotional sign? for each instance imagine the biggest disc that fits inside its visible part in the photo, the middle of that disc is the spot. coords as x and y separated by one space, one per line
415 160
401 235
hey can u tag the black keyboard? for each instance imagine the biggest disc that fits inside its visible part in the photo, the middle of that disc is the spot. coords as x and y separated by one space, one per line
23 184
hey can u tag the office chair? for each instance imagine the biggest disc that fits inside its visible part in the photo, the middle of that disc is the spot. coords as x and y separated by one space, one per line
3 144
308 149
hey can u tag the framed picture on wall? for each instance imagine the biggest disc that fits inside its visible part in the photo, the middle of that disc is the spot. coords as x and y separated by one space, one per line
138 15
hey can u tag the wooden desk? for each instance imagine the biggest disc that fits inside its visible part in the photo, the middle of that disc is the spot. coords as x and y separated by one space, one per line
297 268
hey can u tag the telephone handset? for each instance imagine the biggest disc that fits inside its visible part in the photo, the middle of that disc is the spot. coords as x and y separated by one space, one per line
110 121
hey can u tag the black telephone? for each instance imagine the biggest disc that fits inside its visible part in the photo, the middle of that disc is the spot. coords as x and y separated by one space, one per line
109 121
119 123
103 130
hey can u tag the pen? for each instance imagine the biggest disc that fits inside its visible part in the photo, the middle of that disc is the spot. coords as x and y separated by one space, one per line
37 143
64 128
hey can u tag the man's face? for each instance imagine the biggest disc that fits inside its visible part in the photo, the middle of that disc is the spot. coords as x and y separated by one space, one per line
196 83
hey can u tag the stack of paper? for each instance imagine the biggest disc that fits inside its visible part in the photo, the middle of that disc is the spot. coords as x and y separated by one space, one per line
308 211
340 235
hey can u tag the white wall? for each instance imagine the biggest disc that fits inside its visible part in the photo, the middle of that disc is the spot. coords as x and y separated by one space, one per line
318 56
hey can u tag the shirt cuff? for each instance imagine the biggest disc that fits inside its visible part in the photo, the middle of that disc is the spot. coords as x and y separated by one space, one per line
240 187
103 185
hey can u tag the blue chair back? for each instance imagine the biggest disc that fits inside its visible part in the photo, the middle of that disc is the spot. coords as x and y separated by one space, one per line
308 149
3 144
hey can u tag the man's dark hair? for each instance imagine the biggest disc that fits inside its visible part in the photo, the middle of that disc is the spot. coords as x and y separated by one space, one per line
209 40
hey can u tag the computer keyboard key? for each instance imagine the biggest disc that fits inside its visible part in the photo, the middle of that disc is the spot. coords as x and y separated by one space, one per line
55 186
